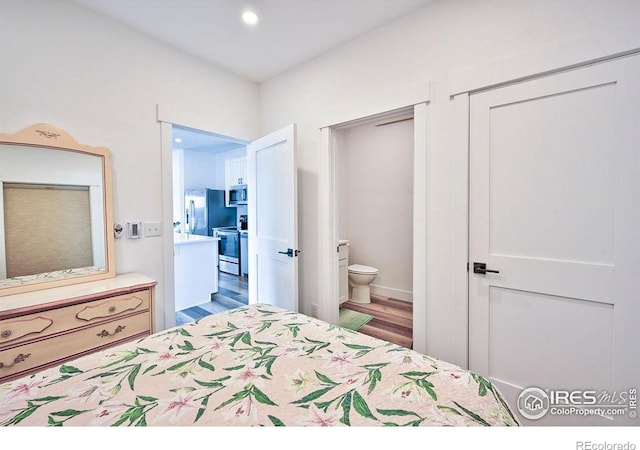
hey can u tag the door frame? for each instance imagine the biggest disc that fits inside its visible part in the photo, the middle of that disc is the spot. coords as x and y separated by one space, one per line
462 85
168 117
417 98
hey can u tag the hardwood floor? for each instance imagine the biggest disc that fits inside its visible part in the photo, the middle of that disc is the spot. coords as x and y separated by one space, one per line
232 293
392 319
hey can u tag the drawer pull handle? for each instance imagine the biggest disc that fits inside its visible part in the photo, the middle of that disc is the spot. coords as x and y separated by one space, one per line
5 334
18 359
105 333
112 309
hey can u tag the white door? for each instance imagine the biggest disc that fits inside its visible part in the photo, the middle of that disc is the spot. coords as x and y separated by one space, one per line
554 208
273 227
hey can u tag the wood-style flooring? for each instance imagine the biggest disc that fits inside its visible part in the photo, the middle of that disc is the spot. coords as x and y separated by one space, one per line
392 319
232 293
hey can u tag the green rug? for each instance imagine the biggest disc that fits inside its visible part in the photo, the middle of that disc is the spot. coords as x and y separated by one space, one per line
353 320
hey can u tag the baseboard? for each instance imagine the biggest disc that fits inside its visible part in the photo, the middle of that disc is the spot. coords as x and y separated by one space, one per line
398 294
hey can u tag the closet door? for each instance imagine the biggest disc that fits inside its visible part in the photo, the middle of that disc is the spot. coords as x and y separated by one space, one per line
554 210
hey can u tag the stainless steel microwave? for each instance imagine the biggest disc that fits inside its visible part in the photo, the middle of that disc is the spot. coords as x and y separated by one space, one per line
238 195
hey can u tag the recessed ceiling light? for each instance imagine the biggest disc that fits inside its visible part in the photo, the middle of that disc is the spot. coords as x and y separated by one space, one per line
178 140
250 18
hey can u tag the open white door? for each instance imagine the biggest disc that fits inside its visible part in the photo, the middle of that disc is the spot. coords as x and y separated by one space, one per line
273 220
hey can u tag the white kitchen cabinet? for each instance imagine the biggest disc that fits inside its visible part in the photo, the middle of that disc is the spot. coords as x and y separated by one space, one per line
195 269
236 171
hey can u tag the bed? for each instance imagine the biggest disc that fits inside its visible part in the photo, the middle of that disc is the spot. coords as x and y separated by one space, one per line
255 365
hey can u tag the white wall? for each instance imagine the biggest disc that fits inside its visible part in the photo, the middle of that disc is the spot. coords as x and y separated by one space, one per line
375 202
200 170
65 65
432 44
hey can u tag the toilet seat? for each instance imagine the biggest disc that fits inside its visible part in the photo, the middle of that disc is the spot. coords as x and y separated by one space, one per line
359 268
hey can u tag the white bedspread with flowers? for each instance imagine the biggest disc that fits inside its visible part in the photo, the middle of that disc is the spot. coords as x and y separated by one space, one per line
256 365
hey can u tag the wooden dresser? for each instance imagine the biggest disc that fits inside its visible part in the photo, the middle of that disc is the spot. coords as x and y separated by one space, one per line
43 328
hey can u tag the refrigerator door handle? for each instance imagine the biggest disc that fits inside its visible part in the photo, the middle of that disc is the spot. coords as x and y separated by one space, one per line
192 207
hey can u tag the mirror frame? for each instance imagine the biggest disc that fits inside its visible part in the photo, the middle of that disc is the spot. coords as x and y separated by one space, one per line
52 137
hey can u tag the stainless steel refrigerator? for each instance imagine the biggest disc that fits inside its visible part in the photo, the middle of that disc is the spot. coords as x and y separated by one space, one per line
206 210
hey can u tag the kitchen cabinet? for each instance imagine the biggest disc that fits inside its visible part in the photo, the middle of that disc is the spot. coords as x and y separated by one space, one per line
195 269
236 172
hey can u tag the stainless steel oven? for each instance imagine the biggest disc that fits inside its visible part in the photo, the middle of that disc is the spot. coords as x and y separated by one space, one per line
228 249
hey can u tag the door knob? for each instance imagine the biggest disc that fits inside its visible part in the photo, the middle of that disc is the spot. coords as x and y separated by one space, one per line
481 268
290 252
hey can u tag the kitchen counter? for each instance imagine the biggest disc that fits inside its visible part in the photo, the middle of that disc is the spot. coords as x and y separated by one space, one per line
186 238
195 263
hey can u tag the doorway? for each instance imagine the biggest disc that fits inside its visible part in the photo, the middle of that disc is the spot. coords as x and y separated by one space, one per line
374 198
387 107
270 157
209 224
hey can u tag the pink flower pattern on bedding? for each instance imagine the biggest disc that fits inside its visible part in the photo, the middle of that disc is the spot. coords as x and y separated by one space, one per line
256 365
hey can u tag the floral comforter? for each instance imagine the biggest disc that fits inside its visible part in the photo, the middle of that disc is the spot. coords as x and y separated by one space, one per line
256 365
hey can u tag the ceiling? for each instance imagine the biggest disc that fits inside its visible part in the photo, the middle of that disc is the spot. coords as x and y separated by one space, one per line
288 33
194 140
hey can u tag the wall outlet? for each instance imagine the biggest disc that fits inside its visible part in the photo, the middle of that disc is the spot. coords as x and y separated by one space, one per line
152 229
314 310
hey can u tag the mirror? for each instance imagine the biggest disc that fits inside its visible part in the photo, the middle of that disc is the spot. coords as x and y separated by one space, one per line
56 225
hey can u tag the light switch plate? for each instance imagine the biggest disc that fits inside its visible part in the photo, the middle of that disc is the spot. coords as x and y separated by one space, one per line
152 229
134 230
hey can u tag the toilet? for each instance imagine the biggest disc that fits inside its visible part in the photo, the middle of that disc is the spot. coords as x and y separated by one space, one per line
360 277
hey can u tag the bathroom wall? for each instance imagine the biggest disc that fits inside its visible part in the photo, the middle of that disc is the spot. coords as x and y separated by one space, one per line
374 171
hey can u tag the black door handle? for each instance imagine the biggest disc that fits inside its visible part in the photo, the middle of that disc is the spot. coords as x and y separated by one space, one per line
481 268
290 252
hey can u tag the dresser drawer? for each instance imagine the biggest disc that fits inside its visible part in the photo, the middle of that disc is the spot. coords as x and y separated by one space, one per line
65 347
46 323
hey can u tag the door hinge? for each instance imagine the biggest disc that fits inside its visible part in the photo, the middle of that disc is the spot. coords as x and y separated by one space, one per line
467 266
